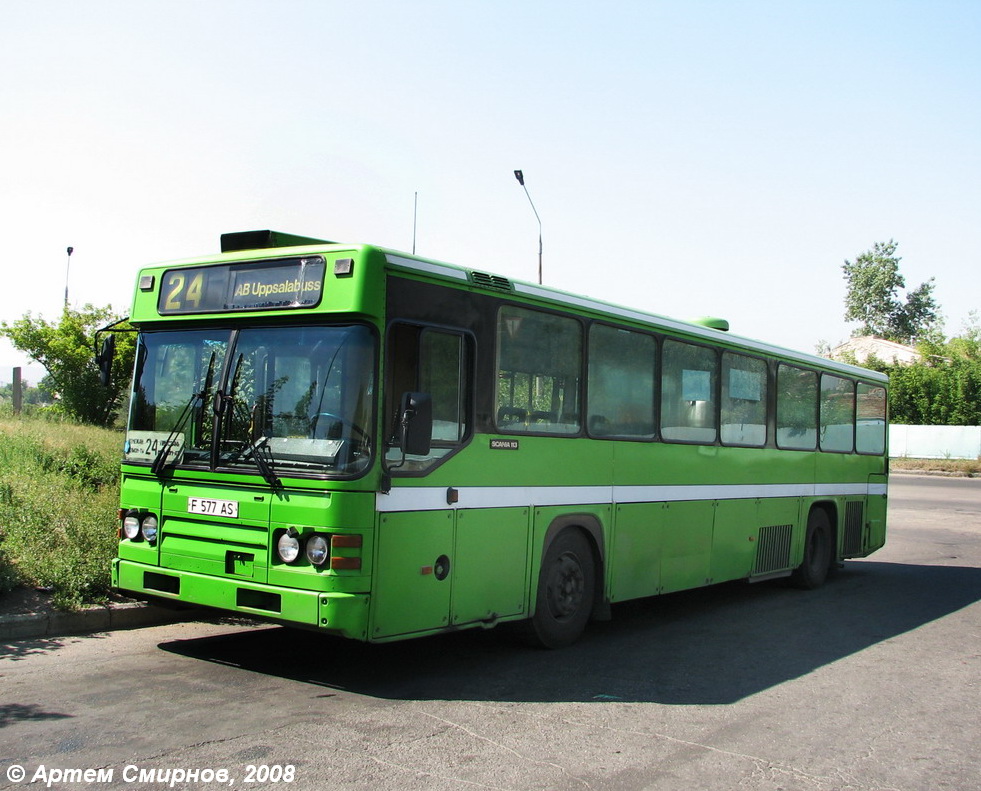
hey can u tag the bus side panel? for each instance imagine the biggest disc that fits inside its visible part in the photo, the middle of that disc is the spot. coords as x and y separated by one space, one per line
490 564
634 567
412 592
734 539
876 516
686 543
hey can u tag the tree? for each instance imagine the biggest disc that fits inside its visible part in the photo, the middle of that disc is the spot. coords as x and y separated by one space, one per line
873 298
66 350
32 396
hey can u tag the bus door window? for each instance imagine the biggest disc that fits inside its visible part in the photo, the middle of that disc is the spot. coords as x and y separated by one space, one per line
434 361
539 372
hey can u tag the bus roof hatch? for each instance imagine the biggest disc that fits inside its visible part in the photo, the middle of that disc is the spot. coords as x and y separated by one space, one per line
260 240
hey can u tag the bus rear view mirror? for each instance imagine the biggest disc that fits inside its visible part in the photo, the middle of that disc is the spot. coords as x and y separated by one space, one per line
104 359
416 427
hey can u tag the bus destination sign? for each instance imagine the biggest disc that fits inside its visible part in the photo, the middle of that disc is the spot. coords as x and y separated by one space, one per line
266 285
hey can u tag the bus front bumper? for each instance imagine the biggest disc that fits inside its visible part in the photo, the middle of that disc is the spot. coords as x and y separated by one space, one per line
345 614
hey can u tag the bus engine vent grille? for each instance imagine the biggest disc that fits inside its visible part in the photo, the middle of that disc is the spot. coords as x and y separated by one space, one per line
773 549
853 528
495 282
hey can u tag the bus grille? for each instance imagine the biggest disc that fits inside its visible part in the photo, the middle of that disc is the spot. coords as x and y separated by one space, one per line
773 549
853 528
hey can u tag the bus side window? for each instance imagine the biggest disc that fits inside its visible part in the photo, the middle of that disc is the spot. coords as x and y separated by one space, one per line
621 383
837 414
744 400
797 402
538 363
688 380
870 424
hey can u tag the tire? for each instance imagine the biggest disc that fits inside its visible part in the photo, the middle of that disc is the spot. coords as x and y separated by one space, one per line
818 552
566 586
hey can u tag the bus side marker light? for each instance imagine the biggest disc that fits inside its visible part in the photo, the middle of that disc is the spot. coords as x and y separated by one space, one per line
345 564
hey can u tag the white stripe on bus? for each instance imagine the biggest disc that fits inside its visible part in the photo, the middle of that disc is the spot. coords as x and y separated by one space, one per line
434 498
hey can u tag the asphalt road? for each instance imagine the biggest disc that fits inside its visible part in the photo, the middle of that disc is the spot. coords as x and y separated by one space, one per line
872 682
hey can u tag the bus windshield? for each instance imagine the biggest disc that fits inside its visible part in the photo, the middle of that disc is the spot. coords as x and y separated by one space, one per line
294 400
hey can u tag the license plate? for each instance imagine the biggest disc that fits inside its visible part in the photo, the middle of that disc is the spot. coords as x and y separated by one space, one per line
209 507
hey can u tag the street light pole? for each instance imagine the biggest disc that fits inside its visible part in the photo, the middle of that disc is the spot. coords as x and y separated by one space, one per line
67 268
521 180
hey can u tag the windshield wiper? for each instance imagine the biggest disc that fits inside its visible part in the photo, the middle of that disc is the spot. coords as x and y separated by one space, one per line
258 449
160 460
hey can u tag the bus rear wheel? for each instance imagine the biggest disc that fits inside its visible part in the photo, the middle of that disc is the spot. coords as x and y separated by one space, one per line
565 591
818 552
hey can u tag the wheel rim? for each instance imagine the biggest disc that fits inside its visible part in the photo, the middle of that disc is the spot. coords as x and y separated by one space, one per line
566 584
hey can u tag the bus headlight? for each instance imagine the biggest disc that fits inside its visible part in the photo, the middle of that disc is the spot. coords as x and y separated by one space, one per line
131 525
288 546
318 550
149 528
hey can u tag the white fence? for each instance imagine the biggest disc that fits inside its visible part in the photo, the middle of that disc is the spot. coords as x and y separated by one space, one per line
935 442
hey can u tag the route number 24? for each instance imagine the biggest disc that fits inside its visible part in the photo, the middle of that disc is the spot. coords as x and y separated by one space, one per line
178 297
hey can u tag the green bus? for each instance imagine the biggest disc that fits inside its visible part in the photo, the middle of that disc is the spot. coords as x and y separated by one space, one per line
380 446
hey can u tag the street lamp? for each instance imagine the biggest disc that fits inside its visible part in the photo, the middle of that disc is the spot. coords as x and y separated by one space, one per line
67 268
521 180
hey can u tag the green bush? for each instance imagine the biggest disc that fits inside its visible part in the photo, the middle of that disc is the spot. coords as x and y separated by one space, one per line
59 497
8 575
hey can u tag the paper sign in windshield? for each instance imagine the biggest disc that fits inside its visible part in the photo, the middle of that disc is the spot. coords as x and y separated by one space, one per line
145 445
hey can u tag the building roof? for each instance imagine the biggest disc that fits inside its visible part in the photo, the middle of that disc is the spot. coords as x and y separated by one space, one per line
864 346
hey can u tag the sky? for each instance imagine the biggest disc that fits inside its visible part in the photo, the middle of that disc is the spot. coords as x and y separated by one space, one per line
686 158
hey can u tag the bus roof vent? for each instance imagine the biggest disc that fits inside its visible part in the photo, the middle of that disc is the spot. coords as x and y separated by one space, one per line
495 282
261 240
712 323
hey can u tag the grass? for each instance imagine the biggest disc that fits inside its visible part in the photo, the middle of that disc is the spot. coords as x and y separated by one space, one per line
59 495
963 467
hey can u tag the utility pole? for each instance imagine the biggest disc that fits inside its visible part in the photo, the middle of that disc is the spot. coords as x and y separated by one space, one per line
17 391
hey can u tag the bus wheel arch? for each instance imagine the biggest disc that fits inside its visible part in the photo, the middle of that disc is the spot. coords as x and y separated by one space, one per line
820 547
569 582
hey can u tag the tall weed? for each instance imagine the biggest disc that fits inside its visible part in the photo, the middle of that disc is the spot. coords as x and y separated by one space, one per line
59 495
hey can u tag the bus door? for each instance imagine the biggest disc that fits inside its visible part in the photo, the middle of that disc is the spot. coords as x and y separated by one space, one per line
444 568
439 565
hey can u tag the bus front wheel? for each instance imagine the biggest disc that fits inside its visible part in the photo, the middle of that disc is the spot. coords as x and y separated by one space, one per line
818 551
565 591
